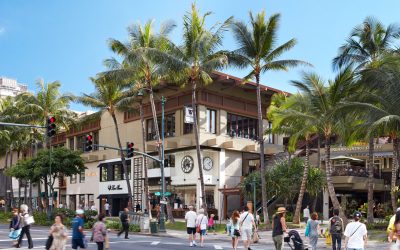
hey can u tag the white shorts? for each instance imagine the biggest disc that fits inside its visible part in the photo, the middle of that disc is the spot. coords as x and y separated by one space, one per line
246 233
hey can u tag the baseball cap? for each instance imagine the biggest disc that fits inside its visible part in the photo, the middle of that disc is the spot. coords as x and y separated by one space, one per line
398 209
357 214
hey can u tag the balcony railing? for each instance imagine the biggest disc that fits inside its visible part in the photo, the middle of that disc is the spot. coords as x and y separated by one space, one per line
359 171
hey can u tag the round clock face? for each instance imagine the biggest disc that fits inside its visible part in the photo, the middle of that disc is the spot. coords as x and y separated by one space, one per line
187 164
207 163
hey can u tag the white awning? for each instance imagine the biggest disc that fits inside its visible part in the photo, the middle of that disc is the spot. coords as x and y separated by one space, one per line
345 158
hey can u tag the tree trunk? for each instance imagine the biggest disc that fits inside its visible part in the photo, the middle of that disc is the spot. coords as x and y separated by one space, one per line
146 178
328 171
319 152
11 183
8 203
393 194
314 204
198 151
19 192
296 217
262 159
370 214
130 204
30 204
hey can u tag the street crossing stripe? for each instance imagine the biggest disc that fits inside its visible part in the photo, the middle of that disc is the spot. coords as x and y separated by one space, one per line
217 247
155 243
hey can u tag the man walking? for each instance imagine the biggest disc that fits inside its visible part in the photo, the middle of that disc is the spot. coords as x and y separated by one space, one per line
306 214
190 219
356 234
246 226
125 223
107 208
78 238
336 230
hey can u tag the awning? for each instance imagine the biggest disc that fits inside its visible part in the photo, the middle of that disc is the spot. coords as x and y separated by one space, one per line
113 196
345 158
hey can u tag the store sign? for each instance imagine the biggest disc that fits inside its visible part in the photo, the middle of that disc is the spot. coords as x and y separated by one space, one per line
113 187
354 148
189 115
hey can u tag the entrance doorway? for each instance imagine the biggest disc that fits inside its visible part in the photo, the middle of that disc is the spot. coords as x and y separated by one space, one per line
117 205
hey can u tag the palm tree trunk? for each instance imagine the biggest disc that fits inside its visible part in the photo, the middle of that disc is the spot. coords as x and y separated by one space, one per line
393 194
296 218
319 152
328 171
262 159
370 214
198 151
155 121
146 178
7 184
130 204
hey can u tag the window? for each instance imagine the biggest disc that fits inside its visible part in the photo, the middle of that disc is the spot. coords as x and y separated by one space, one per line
96 140
169 127
117 172
104 172
114 171
241 126
187 127
80 141
71 143
169 161
82 176
72 179
270 137
82 201
211 121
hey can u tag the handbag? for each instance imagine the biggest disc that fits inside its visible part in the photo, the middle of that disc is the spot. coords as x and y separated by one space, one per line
307 232
198 228
15 234
49 242
236 232
29 220
256 238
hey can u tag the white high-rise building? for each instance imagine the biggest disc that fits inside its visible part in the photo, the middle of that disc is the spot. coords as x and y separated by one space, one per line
10 87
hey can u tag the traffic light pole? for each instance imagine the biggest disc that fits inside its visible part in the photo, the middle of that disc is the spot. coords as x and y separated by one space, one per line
162 212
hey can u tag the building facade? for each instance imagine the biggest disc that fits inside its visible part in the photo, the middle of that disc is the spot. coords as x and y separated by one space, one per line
10 87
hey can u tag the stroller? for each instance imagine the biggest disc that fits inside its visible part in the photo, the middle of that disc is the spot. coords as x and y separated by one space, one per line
294 237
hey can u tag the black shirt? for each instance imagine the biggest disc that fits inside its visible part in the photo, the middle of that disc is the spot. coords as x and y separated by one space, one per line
277 230
124 217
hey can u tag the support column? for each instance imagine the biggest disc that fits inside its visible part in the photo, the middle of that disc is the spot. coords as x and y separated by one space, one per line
221 184
325 205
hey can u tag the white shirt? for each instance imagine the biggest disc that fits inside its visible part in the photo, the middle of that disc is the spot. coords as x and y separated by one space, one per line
202 221
306 213
246 222
60 205
107 206
191 217
93 208
356 238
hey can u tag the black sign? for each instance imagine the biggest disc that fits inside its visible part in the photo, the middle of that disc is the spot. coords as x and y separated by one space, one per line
114 187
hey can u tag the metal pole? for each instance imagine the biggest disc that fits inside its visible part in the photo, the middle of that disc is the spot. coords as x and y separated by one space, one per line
50 186
20 125
254 198
162 212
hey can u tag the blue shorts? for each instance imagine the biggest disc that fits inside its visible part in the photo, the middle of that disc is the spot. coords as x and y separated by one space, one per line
78 243
203 232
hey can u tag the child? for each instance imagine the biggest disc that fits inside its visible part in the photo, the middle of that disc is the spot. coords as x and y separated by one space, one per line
211 223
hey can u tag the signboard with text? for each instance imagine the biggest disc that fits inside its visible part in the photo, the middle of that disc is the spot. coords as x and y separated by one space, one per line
113 187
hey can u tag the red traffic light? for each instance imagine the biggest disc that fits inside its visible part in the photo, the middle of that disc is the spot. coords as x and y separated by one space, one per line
89 137
130 145
52 119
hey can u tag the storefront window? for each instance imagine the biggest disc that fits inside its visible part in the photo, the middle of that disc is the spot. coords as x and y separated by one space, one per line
71 143
241 126
81 201
72 202
72 179
82 176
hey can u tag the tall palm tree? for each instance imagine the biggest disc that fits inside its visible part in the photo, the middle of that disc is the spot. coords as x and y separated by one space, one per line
367 43
193 63
258 50
287 121
324 110
111 97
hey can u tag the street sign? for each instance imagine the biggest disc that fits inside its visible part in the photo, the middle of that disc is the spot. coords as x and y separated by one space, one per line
163 202
157 193
167 194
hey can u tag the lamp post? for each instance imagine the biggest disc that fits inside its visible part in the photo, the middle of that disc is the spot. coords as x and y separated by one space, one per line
254 196
163 202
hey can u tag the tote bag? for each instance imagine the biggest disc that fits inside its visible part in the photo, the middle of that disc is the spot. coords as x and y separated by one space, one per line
15 234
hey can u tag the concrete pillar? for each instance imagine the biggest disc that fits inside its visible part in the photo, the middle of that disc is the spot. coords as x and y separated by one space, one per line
198 195
325 205
221 183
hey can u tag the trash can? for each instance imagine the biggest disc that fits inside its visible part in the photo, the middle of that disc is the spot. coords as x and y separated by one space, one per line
153 227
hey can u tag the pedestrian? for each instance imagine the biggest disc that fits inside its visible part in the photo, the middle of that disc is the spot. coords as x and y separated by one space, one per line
107 208
26 220
190 218
59 233
93 207
246 227
356 234
306 214
314 230
60 205
138 207
234 230
336 230
125 223
395 232
390 227
201 225
15 226
78 237
99 232
257 219
211 225
279 227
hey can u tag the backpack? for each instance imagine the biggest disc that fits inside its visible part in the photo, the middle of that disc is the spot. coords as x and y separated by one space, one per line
336 225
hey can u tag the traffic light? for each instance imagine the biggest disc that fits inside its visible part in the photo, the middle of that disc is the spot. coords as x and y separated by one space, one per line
51 126
89 143
130 149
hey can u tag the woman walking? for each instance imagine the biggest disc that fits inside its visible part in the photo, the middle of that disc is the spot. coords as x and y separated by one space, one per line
99 232
234 229
59 233
211 225
15 227
26 220
201 223
314 230
395 232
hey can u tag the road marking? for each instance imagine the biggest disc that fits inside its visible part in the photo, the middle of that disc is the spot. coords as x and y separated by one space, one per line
217 247
155 243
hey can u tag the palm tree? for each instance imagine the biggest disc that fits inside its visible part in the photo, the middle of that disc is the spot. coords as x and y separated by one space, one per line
366 45
111 96
258 50
324 110
193 63
287 121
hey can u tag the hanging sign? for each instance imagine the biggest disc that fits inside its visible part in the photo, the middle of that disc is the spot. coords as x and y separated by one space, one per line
189 114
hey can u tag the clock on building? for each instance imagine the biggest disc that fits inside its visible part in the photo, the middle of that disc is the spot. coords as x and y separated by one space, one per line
187 164
207 163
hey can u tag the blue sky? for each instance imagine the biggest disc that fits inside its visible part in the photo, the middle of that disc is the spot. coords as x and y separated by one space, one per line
67 40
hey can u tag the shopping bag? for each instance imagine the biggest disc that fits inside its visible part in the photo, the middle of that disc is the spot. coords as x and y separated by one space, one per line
106 243
256 238
328 239
15 234
49 242
307 232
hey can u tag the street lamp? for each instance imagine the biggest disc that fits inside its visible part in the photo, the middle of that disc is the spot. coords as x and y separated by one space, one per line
163 202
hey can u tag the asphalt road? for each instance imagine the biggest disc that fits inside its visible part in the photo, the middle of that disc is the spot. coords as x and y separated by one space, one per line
39 235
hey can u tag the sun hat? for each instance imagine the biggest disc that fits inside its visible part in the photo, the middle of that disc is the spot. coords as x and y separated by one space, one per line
281 210
79 211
